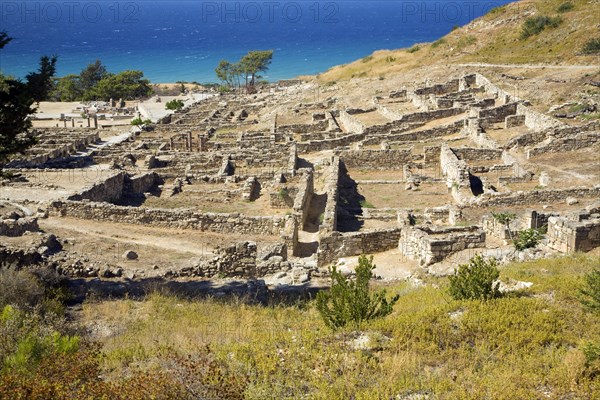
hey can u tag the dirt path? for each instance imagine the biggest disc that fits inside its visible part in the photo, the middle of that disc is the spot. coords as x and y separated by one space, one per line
160 239
530 66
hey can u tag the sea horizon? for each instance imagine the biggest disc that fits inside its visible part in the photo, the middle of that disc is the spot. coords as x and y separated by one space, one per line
184 40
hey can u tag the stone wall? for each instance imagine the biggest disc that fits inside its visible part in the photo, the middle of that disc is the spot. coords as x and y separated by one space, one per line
455 170
12 227
170 218
534 197
304 196
303 128
350 123
335 245
559 145
241 260
331 186
429 246
329 144
537 121
568 236
283 197
474 154
108 190
375 159
497 114
141 183
396 136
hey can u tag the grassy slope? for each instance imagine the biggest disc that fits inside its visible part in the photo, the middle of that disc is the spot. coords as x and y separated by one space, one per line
493 38
517 347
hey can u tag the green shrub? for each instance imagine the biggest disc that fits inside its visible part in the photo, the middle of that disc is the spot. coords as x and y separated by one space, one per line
437 43
528 238
535 25
283 193
591 291
139 122
349 301
592 46
367 59
174 104
390 59
414 49
504 217
475 280
565 7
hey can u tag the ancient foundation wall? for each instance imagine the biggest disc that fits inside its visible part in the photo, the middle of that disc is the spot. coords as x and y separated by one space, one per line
375 159
567 236
304 196
534 197
170 218
11 227
474 154
350 123
332 177
108 190
429 246
336 245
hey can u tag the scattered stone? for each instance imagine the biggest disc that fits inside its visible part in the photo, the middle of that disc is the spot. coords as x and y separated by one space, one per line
130 255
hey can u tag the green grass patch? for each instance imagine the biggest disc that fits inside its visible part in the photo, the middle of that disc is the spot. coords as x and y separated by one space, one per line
592 46
438 43
565 7
535 25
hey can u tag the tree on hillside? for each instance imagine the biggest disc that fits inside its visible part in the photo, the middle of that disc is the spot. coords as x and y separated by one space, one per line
16 104
248 68
226 72
127 85
91 75
40 83
253 63
67 88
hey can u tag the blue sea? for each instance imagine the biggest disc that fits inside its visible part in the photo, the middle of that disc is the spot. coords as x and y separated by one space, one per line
184 40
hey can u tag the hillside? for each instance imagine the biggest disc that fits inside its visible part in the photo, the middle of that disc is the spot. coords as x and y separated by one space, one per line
495 39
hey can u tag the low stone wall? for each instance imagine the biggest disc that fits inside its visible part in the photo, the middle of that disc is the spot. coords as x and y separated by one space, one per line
12 227
537 121
567 236
455 170
533 197
474 154
429 246
350 123
329 144
170 218
431 154
336 245
427 116
108 190
304 196
426 134
283 197
331 186
303 128
141 183
559 145
498 114
375 159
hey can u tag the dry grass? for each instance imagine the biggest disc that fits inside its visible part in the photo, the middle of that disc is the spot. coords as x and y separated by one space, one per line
493 38
519 346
